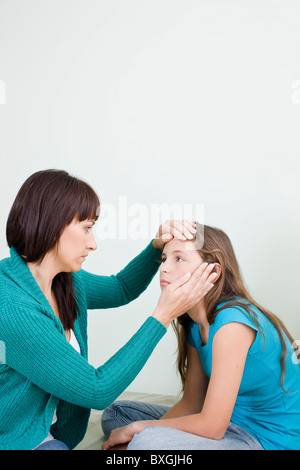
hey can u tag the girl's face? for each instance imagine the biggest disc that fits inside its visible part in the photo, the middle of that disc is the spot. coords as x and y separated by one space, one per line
178 257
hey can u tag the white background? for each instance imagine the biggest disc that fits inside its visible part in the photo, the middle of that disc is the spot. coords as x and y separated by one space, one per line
162 102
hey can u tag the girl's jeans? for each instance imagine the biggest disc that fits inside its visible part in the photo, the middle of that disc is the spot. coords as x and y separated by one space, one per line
124 412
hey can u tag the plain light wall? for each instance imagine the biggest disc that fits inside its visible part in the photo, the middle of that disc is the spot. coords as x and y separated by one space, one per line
162 102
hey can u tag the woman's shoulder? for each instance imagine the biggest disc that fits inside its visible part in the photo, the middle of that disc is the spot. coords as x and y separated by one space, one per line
8 288
5 265
20 295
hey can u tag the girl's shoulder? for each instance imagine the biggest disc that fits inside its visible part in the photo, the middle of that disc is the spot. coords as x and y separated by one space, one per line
237 310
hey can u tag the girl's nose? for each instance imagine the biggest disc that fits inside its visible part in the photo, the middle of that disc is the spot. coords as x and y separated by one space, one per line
163 267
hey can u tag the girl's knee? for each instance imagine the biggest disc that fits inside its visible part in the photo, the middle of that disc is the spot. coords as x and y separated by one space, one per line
151 438
140 441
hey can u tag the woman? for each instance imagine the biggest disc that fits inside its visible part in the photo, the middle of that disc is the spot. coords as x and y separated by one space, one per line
240 374
47 386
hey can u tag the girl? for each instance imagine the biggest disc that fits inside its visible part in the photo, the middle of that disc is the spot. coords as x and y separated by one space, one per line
47 386
240 374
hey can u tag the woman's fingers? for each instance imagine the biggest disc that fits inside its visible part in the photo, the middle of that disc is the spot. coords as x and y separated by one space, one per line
196 285
179 282
182 229
179 229
184 293
205 286
196 280
202 273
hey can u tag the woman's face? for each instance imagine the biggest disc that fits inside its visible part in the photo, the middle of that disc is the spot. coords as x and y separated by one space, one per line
74 245
178 257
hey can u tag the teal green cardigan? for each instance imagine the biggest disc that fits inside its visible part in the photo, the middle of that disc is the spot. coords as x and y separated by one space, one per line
42 371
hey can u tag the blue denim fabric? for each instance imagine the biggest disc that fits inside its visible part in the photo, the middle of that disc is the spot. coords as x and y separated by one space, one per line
121 413
124 412
52 445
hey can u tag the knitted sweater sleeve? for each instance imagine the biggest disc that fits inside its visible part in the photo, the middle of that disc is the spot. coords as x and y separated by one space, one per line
122 288
40 353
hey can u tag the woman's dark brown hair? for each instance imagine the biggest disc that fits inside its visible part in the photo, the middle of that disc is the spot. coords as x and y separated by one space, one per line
46 203
216 247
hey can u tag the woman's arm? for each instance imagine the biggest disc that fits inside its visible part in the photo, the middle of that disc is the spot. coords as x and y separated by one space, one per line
230 348
39 352
122 288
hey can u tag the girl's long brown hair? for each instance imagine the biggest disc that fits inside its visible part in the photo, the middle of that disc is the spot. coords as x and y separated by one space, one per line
215 247
46 203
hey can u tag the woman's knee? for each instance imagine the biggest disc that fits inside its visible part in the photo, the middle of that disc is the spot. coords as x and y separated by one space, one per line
52 445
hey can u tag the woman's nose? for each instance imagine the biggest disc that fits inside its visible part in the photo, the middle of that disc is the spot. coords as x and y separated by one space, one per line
92 243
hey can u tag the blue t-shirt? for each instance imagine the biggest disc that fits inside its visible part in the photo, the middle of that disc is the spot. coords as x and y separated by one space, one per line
262 408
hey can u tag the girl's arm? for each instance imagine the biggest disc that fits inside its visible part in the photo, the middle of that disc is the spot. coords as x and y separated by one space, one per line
230 348
195 388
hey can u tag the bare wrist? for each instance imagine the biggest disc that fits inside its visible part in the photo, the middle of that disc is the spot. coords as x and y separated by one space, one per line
162 317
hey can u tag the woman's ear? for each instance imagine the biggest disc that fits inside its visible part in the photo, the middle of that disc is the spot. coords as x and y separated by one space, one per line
217 269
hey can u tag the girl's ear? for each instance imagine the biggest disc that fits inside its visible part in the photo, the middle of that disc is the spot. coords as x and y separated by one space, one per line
217 269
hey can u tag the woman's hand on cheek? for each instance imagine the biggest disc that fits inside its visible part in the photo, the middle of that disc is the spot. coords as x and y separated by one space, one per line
124 435
180 229
183 294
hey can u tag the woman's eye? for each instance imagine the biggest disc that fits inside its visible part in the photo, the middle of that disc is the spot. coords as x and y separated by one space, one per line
162 260
179 259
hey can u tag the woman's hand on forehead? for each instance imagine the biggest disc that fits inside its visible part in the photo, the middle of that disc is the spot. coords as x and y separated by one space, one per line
174 229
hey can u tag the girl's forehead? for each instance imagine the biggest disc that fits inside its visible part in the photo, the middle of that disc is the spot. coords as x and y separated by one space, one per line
186 246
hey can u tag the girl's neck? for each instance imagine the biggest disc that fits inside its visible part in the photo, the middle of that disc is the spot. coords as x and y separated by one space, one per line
198 315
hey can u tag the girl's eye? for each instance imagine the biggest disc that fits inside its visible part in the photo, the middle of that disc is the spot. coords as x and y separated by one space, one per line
88 228
179 259
162 260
